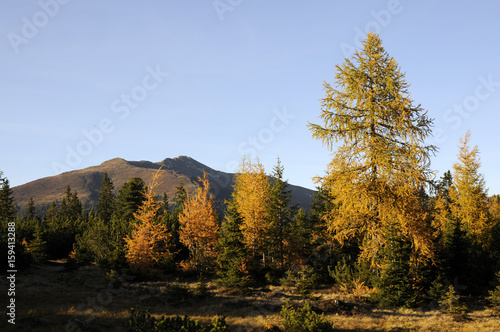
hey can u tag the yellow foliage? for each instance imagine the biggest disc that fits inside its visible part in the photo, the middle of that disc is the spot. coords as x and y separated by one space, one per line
252 196
468 195
381 166
199 227
148 242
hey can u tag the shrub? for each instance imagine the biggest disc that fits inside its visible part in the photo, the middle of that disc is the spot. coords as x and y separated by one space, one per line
303 319
450 302
494 297
343 274
304 280
141 321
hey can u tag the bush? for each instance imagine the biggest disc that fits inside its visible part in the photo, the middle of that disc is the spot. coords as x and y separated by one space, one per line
450 302
304 280
343 274
303 319
494 297
141 321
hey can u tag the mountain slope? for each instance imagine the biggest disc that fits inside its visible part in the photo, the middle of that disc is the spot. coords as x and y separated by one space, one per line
87 182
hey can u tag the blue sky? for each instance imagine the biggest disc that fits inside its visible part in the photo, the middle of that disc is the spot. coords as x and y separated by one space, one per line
87 81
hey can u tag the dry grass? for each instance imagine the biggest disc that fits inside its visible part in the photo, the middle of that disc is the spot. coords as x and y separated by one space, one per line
49 299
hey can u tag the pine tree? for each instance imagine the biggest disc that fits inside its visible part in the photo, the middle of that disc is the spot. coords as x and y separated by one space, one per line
7 205
231 259
281 214
107 199
148 243
377 172
199 226
252 197
129 198
402 282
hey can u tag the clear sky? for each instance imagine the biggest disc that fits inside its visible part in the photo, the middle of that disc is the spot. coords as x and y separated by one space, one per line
86 81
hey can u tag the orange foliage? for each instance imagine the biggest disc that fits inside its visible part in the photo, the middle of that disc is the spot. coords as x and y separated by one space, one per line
148 242
199 226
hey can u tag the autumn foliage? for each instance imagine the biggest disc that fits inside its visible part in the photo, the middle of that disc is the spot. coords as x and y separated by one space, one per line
147 244
199 226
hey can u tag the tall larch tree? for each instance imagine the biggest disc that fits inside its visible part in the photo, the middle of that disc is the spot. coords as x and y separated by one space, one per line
148 243
469 195
252 196
199 227
380 159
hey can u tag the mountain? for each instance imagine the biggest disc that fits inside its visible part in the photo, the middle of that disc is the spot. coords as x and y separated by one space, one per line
87 182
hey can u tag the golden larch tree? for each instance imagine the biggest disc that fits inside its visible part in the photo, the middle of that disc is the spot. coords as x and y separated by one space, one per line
199 227
380 160
252 196
468 194
148 243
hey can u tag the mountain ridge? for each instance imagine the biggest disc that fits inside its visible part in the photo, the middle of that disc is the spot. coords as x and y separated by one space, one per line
87 181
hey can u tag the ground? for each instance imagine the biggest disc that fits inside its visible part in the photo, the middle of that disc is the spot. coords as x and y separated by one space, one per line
48 298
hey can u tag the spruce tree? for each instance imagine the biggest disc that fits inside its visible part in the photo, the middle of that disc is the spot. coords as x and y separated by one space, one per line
281 214
107 199
402 283
7 205
129 198
232 272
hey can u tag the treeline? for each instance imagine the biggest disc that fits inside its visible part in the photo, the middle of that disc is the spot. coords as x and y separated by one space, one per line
261 238
380 223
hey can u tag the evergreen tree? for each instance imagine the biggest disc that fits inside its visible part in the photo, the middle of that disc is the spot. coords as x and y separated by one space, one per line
401 283
231 259
281 214
456 255
7 205
107 199
63 224
129 198
378 170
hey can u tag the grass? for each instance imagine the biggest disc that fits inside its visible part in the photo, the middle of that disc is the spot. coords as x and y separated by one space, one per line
49 299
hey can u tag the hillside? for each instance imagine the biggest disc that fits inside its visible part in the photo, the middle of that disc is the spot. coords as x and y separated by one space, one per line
87 182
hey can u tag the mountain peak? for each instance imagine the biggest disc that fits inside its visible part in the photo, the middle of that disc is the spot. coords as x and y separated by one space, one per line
87 182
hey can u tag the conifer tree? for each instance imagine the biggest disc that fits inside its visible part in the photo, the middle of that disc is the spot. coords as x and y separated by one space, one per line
252 197
381 162
7 205
281 214
129 198
469 196
231 259
199 226
107 199
148 243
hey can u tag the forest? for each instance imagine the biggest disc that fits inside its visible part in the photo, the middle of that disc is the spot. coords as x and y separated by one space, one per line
384 229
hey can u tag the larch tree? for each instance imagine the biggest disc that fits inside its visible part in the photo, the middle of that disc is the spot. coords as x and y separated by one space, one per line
148 243
469 195
199 227
252 196
380 160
